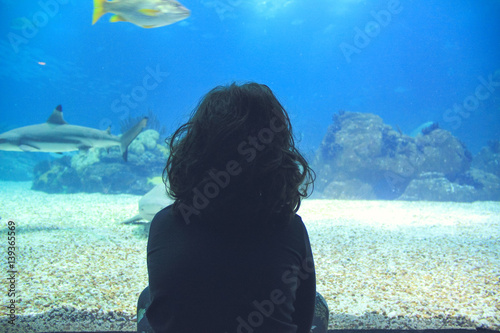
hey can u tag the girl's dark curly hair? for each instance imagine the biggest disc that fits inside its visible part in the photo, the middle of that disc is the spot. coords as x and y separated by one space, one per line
235 163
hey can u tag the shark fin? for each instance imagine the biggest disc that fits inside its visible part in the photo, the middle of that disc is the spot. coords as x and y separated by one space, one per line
56 117
27 147
98 10
130 135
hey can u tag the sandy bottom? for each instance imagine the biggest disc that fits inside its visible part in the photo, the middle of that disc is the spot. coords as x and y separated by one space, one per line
379 264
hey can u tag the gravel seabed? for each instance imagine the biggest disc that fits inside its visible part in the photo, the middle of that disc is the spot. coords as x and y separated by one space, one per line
379 264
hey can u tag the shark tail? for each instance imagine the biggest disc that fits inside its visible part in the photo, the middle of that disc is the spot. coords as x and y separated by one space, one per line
99 10
130 135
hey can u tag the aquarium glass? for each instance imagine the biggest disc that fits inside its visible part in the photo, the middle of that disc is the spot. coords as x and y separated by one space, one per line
394 103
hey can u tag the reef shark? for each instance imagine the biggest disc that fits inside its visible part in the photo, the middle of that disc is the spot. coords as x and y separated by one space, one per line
150 204
56 136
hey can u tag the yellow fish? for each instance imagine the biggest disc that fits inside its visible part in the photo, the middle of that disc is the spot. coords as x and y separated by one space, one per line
144 13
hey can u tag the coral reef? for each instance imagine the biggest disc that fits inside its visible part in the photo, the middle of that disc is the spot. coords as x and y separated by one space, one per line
146 140
98 170
84 159
360 157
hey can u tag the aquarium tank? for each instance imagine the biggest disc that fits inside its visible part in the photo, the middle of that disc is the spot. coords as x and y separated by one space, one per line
394 103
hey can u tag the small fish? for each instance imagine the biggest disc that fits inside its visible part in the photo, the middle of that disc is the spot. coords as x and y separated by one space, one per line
419 130
144 13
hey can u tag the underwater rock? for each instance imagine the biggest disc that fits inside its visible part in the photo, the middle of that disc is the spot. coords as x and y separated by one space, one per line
351 144
359 147
488 159
56 176
85 158
487 184
473 185
324 176
349 190
104 171
434 186
442 152
113 178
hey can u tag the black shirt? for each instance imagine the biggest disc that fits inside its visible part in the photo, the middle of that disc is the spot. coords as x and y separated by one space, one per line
203 281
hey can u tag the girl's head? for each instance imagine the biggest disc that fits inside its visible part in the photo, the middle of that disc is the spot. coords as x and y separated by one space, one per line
235 161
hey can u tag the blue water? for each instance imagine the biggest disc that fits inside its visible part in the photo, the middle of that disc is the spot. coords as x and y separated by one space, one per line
417 65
